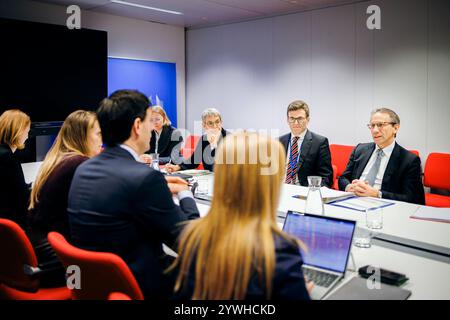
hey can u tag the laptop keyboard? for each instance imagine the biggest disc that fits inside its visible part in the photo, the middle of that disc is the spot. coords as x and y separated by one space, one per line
319 278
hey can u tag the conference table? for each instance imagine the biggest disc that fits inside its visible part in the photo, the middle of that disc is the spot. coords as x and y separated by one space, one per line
417 248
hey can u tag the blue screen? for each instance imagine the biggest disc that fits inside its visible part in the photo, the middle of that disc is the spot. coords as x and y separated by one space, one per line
157 80
328 240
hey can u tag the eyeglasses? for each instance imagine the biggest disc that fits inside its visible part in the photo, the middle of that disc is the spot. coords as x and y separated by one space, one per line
379 125
156 120
298 120
213 123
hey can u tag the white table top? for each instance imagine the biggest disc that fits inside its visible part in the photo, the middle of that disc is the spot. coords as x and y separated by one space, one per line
428 278
396 220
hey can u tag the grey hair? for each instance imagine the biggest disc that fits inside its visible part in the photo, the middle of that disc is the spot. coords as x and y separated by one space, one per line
394 117
211 112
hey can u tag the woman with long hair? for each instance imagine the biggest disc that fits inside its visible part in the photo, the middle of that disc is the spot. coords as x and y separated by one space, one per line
238 251
14 192
78 140
166 140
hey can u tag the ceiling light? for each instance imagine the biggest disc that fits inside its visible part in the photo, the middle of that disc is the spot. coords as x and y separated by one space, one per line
125 3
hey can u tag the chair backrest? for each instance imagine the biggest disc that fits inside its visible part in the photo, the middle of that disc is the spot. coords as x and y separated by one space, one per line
101 273
191 141
16 251
416 152
437 171
340 154
118 296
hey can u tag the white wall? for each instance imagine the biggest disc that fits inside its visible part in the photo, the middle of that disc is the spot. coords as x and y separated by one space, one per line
252 70
127 38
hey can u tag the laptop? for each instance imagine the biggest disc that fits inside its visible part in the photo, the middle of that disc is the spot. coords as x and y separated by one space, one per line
328 241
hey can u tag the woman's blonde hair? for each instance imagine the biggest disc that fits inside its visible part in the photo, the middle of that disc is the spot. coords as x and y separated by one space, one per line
236 238
12 124
162 113
71 140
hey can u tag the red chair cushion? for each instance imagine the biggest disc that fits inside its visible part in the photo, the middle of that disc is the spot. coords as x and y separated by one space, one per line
437 171
340 154
436 200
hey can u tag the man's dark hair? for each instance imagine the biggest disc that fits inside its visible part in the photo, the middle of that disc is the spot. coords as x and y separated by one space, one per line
117 113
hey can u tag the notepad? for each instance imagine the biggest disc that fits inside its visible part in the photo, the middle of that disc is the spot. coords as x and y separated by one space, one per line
361 203
328 195
432 214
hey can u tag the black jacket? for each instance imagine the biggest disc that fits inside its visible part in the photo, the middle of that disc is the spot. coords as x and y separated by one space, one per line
169 144
402 179
202 154
119 205
14 192
315 158
288 280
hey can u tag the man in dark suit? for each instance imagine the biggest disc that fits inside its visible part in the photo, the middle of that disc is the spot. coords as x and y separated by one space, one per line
205 150
120 205
308 154
383 168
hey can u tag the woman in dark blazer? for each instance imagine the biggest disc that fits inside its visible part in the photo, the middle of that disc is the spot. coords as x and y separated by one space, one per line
238 251
166 140
14 192
78 139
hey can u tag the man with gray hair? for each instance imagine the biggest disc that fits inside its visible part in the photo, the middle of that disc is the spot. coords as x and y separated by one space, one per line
383 168
206 148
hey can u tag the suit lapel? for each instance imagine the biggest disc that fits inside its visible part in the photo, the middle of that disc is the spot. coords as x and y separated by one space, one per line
163 139
306 146
391 166
365 159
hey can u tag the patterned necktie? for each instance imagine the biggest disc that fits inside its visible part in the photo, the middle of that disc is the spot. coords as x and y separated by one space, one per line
371 176
292 166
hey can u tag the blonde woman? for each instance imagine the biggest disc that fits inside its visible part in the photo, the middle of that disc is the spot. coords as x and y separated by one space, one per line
237 251
14 192
166 140
78 140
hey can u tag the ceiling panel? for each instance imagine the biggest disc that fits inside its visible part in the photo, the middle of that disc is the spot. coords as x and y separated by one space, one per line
197 13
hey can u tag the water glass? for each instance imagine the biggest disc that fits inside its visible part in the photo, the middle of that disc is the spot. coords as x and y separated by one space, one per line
362 238
374 218
155 161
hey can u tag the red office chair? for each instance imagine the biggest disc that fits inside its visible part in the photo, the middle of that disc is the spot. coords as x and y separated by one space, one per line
335 183
19 272
437 176
101 273
118 296
340 154
189 148
416 152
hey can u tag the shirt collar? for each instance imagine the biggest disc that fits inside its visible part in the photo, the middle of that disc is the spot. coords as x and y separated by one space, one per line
301 136
387 150
131 151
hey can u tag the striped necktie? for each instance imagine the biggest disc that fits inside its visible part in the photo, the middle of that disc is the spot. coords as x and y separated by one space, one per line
292 166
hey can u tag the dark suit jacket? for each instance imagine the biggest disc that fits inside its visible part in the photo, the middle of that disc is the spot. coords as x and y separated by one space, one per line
119 205
288 281
315 158
200 155
14 192
169 140
402 179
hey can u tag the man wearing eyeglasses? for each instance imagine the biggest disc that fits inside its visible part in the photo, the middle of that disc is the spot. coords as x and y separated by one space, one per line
308 154
206 148
383 168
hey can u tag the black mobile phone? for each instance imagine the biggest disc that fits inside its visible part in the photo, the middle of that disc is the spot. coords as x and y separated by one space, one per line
386 276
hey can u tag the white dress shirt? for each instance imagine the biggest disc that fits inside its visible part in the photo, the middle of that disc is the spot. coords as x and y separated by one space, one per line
387 152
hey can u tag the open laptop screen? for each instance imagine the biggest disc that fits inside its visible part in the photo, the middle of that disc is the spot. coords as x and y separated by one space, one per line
328 239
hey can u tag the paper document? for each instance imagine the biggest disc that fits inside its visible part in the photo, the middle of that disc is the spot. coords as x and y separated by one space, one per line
361 203
195 172
432 214
328 194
